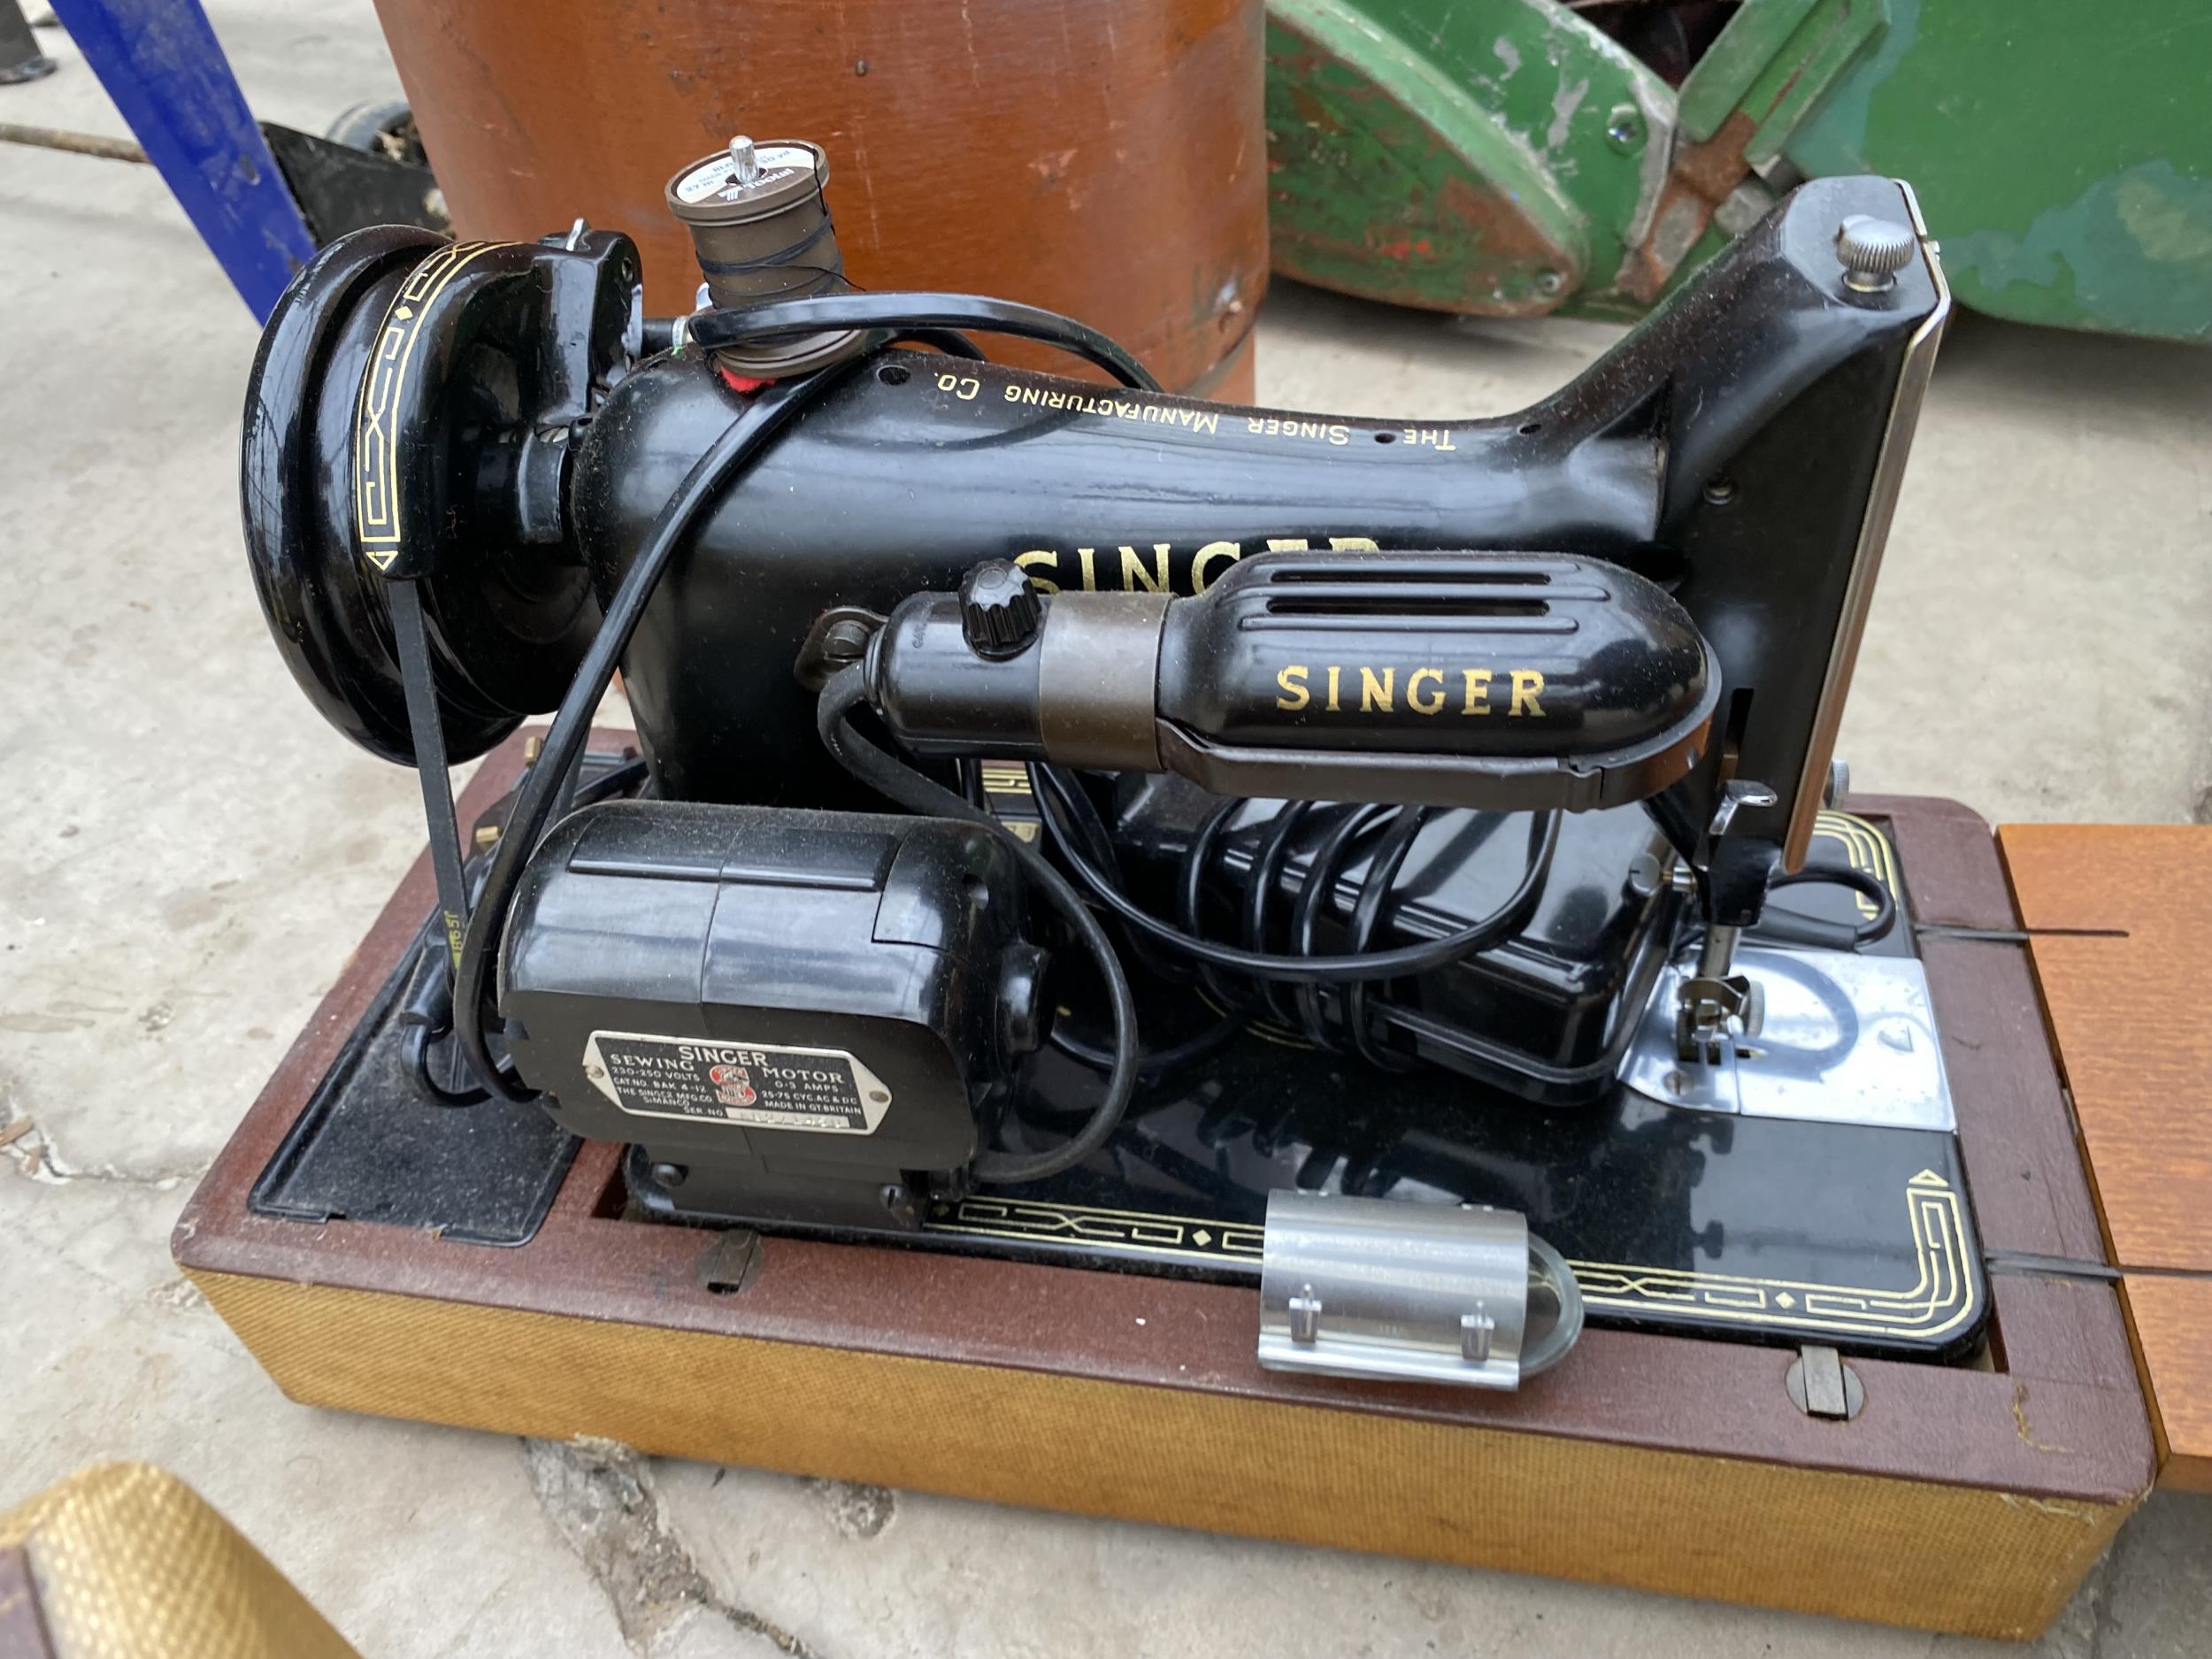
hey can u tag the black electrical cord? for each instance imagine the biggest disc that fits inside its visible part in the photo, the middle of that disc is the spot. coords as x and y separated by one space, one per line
1382 875
848 690
1259 893
430 1006
1863 882
616 780
1091 825
422 1033
1152 1062
1367 965
1190 897
1155 1063
1343 827
902 314
950 342
658 334
1778 926
1329 859
764 415
767 414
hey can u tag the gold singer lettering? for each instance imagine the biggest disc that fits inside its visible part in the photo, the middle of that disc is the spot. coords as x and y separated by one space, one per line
1159 566
1036 562
1205 555
1135 575
1425 690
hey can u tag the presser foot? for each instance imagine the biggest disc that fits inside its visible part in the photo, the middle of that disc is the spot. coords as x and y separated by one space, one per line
1712 1011
1717 1004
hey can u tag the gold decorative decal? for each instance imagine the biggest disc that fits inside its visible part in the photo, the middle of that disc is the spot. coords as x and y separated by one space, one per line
1864 847
1118 1232
1940 1299
376 521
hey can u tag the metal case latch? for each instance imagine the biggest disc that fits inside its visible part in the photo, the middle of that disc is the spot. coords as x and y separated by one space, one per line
1412 1292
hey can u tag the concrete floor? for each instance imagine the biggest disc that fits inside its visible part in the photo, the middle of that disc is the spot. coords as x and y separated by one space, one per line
187 856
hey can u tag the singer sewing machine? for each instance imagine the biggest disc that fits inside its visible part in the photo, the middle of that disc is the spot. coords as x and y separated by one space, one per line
1076 822
1134 939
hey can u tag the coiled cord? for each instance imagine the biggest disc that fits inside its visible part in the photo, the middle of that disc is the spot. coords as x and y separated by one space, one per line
1068 817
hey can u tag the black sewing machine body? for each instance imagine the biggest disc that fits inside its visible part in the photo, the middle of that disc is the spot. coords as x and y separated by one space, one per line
1727 449
487 428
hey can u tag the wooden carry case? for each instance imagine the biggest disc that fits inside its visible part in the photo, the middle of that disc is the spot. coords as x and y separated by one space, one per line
1969 1498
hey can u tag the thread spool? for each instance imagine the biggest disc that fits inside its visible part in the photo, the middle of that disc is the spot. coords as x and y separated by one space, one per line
761 229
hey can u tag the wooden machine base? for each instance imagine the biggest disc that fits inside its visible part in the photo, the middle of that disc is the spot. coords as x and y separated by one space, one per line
1969 1498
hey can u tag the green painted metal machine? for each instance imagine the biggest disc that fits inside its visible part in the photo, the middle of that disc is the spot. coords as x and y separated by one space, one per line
1513 157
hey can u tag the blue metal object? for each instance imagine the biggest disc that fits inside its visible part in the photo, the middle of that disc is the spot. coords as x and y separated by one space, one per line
161 63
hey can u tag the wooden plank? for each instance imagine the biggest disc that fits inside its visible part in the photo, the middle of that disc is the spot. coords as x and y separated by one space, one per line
2121 923
1283 1463
2170 1320
2128 996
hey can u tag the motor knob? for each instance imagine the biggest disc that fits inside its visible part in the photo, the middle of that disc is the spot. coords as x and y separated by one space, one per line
1000 612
